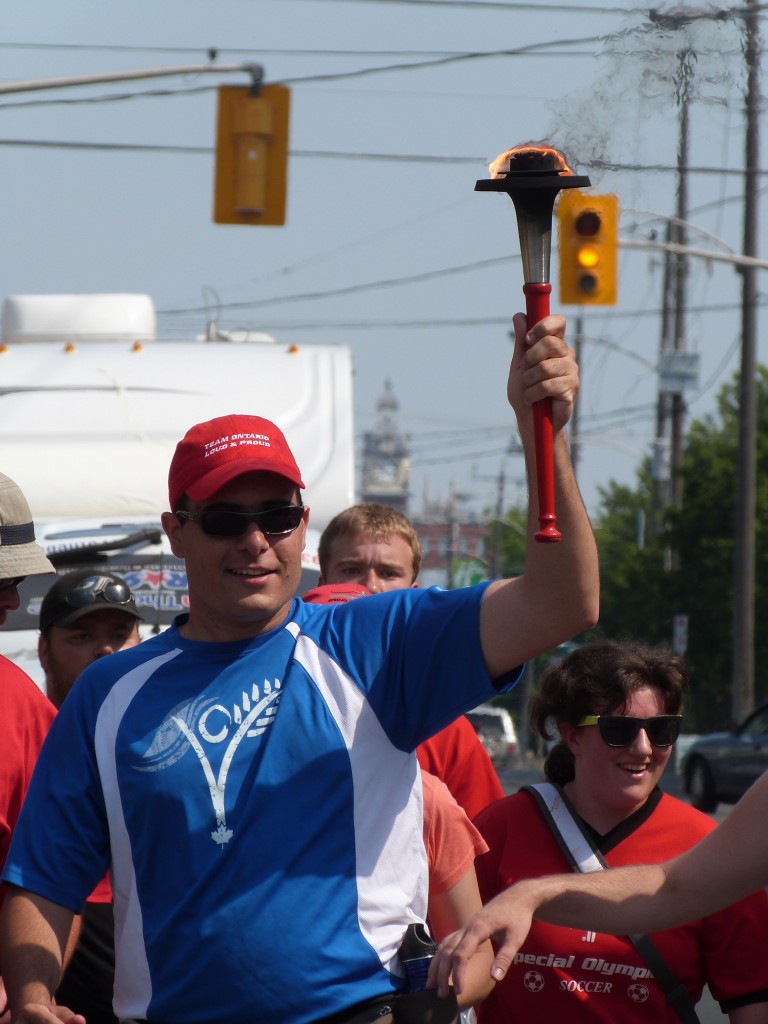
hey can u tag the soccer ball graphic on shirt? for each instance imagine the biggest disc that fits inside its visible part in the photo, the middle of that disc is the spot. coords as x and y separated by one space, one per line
533 981
638 993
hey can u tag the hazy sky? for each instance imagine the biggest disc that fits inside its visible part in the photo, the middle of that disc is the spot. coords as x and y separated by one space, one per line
396 109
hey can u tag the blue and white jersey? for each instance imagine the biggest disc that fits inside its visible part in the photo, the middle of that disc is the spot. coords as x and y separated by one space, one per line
258 803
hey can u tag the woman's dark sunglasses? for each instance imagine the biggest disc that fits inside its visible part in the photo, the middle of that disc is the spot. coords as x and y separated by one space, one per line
622 730
272 522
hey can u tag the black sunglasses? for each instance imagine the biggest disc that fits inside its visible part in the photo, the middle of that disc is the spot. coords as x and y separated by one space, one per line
272 522
12 581
96 588
622 730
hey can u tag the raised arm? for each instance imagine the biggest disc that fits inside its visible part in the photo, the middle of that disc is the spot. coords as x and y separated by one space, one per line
33 939
730 863
558 594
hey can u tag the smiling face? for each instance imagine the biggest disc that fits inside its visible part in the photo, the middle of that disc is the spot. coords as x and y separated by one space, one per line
613 782
239 587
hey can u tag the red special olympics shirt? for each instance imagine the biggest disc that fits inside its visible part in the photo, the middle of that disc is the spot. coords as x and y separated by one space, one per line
590 978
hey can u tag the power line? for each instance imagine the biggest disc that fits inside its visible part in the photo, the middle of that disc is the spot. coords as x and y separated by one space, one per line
512 5
213 52
412 65
344 290
322 154
391 282
117 97
440 61
503 321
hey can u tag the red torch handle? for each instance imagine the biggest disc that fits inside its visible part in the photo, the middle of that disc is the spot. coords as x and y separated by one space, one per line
536 308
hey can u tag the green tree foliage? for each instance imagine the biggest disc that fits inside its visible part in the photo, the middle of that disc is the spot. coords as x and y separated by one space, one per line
510 535
511 532
685 563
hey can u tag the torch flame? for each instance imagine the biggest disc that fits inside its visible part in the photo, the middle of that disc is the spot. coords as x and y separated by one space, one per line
503 163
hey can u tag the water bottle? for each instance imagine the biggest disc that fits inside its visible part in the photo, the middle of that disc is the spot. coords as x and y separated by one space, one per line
416 951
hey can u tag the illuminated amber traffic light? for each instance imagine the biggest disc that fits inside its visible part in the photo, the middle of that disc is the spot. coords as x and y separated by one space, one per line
588 236
251 155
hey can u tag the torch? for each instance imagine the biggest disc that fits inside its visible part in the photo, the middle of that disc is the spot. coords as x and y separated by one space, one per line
532 175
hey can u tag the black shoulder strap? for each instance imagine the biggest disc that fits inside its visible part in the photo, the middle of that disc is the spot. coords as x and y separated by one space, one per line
580 851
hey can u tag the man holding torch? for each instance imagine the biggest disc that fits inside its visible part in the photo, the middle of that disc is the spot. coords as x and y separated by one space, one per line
249 776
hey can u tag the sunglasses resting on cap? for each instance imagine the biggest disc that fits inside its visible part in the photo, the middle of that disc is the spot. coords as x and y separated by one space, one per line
622 730
81 592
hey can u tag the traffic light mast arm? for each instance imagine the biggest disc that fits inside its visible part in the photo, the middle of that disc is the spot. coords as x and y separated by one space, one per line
689 250
254 70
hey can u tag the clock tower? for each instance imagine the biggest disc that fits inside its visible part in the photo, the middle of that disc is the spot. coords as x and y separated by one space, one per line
386 460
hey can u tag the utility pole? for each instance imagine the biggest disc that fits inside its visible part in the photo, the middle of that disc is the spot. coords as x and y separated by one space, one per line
743 682
661 459
671 406
681 267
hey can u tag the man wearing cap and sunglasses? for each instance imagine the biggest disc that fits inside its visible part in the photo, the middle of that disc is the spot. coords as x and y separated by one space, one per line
250 775
25 713
84 616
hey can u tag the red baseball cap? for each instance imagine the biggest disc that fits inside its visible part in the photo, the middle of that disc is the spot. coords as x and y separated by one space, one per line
335 593
213 453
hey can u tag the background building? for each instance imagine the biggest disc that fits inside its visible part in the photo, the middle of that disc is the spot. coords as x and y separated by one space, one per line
454 542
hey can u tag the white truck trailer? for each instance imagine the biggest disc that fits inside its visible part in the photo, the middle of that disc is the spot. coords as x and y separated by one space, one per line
92 404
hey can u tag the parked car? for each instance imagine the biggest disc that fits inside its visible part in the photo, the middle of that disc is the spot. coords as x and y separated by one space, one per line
496 731
721 766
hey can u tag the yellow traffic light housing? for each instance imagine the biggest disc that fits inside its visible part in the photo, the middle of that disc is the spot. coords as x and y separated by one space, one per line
588 243
251 154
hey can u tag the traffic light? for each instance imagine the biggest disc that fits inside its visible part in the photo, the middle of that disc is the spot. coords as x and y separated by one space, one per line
251 155
588 236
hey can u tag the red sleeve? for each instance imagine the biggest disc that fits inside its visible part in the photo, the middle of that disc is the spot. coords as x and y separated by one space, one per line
26 714
457 757
103 891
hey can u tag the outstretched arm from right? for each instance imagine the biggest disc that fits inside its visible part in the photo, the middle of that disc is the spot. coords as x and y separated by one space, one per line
730 863
33 939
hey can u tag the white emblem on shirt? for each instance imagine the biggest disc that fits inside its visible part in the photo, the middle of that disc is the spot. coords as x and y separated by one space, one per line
203 721
638 993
